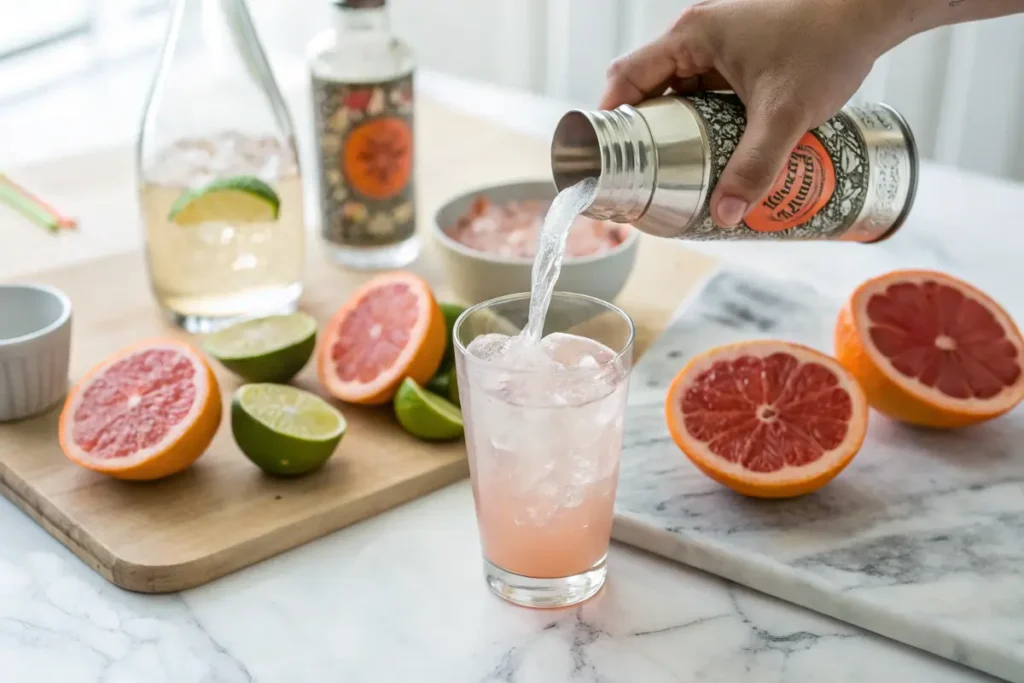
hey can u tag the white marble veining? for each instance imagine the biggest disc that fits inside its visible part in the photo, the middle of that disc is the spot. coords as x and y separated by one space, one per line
921 538
401 598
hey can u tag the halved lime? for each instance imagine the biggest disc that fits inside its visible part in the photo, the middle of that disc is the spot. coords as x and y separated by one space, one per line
239 199
271 349
451 314
284 430
426 415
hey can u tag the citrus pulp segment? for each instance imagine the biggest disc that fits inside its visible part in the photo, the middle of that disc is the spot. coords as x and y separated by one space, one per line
146 412
768 419
389 329
930 349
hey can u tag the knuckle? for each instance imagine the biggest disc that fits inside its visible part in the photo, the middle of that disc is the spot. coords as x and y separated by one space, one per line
751 172
690 18
617 68
785 113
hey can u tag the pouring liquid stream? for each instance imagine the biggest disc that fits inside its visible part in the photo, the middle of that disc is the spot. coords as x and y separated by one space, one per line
547 264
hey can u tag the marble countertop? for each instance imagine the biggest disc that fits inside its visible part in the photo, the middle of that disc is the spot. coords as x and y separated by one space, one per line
400 597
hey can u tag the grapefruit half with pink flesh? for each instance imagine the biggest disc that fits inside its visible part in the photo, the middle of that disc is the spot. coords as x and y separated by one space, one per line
389 329
931 350
146 412
768 419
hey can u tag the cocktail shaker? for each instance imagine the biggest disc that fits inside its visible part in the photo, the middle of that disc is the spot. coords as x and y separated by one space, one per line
853 178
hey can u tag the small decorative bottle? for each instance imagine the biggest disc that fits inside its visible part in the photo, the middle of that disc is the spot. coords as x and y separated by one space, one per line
363 106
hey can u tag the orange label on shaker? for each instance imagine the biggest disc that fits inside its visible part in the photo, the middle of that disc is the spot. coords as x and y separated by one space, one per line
802 189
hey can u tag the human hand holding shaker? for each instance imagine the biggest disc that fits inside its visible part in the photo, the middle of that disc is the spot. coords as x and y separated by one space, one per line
792 64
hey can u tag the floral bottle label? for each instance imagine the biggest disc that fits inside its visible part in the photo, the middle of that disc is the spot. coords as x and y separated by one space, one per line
818 195
364 134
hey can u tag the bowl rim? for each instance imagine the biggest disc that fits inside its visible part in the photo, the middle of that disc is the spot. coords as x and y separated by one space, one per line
46 330
439 232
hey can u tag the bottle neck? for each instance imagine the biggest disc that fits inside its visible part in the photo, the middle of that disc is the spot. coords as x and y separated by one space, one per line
352 19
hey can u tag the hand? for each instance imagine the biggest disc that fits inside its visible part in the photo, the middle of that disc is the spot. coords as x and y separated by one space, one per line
793 63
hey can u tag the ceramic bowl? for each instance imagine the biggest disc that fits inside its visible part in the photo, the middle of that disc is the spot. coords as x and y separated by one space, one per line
35 348
477 276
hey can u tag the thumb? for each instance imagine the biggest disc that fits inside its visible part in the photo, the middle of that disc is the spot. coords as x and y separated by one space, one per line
769 138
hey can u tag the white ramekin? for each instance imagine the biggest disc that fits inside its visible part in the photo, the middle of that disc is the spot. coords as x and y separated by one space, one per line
35 348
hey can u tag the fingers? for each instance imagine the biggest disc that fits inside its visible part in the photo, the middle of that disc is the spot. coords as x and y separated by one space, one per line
636 76
767 142
712 80
679 54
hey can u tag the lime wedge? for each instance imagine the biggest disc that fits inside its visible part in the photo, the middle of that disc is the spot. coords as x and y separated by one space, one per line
239 199
271 349
426 415
284 430
451 314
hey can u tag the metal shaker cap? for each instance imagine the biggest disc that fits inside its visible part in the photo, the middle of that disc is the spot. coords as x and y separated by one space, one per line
650 162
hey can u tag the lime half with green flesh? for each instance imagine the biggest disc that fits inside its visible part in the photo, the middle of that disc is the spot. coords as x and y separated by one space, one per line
426 415
271 349
239 199
283 430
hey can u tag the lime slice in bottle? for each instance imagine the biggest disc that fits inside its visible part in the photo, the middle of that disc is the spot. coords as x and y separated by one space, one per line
426 415
283 430
271 349
239 199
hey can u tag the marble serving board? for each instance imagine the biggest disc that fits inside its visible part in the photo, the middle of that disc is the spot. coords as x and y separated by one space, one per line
920 539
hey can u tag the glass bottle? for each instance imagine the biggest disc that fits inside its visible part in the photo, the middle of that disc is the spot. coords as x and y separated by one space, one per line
363 104
218 174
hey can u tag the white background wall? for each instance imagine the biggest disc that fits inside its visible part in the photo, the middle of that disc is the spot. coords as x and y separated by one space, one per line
961 88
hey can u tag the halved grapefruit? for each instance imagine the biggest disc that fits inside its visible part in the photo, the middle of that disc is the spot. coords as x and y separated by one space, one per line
389 329
146 412
768 419
931 350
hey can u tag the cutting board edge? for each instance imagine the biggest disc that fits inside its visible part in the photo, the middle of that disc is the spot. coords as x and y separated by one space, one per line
171 578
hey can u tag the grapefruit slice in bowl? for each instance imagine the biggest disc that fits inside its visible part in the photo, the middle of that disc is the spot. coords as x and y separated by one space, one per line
146 412
768 419
389 329
931 350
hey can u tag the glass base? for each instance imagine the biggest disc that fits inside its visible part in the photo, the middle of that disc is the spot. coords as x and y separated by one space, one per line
205 324
375 258
546 593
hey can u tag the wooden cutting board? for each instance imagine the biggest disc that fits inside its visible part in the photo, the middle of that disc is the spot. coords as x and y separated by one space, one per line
224 514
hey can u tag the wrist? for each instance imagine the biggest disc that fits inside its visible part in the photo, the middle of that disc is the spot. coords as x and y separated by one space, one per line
881 25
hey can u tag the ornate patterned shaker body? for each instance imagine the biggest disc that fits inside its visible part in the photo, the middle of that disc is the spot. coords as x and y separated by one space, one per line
363 109
853 178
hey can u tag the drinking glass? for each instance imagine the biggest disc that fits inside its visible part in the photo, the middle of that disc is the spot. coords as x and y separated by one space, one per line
544 445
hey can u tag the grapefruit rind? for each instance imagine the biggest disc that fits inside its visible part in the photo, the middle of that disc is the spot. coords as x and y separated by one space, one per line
185 442
790 481
905 398
418 360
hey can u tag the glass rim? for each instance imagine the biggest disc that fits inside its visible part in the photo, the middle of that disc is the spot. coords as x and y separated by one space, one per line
506 298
